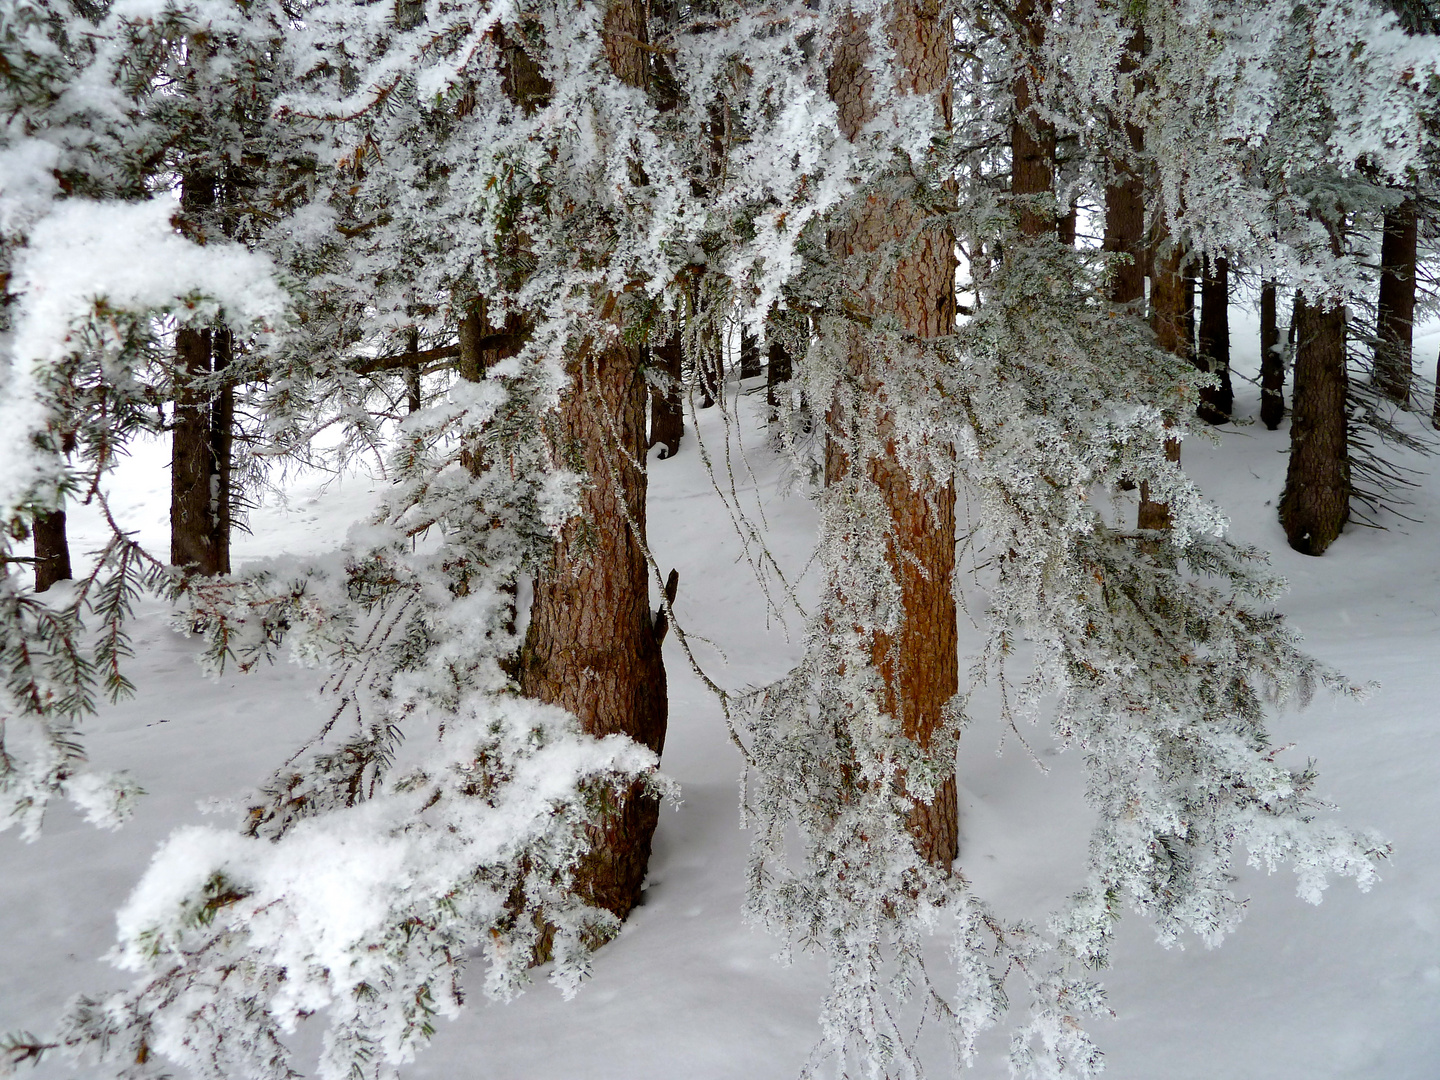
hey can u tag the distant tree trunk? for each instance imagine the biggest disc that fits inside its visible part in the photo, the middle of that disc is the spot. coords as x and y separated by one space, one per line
1217 403
412 374
749 355
52 550
1395 321
1272 364
667 410
592 646
201 437
1170 319
1125 201
1316 500
777 372
1032 139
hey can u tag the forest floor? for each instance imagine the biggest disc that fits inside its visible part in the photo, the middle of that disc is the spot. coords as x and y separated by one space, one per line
1348 989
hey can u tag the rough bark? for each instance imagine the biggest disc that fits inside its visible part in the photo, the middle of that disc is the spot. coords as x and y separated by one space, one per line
1032 139
1272 361
920 666
1316 500
592 645
667 410
1217 403
52 550
1394 325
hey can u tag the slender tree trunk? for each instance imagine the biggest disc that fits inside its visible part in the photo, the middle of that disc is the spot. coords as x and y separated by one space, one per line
667 410
919 665
1169 288
1032 139
592 645
1217 403
777 372
1125 201
1272 362
749 355
412 374
1394 326
1316 500
52 550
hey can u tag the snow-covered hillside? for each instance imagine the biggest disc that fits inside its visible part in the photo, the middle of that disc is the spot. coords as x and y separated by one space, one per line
1350 989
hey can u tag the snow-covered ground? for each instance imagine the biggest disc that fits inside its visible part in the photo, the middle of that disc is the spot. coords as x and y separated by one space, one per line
1349 989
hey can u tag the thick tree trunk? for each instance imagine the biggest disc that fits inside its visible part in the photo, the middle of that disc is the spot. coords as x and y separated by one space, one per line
1217 403
1272 361
1316 501
920 665
1395 321
52 550
1032 139
592 645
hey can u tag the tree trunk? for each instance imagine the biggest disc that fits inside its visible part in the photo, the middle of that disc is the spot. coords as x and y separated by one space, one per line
749 355
1217 403
1169 318
777 372
1272 361
1394 324
412 374
1032 139
1125 202
52 550
592 645
919 666
1316 501
667 411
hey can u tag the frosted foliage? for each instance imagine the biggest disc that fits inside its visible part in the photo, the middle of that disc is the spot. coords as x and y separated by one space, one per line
382 174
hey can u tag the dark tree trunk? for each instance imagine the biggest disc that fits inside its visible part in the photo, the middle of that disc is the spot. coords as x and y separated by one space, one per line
1217 403
1272 361
749 355
412 374
1067 225
777 372
1125 202
1316 500
920 669
1170 317
1032 139
1396 317
592 645
52 550
667 410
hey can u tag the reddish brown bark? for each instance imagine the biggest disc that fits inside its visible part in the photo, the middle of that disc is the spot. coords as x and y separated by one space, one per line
592 645
1125 200
919 666
1032 139
1316 501
1169 288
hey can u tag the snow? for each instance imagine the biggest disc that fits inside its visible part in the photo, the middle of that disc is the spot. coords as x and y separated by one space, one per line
1346 989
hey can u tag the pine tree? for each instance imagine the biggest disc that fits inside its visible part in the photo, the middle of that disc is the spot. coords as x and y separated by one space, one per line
1272 360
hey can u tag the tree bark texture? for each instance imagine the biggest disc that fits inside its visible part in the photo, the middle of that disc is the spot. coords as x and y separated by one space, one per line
52 550
1217 403
920 666
592 645
749 355
1316 500
667 410
1032 139
778 371
1272 360
1395 320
